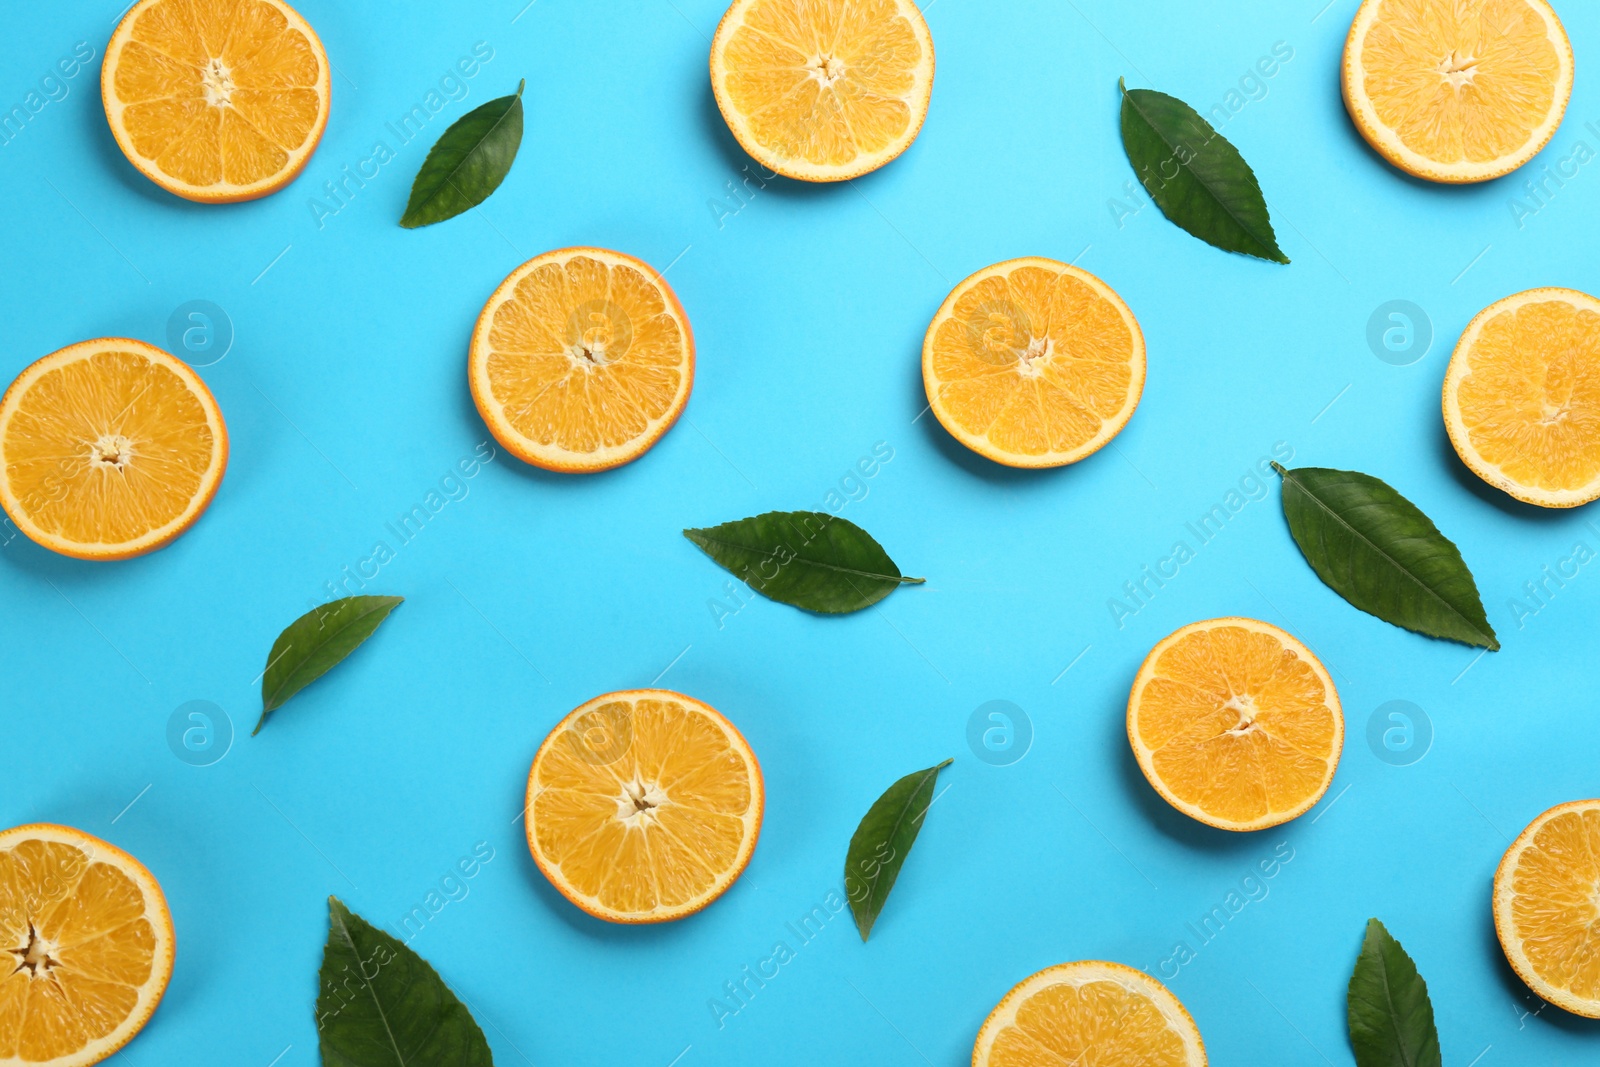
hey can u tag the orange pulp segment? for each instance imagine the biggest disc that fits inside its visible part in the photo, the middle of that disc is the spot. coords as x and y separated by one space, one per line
581 360
109 449
643 806
86 947
216 100
1235 723
823 90
1457 90
1033 363
1547 906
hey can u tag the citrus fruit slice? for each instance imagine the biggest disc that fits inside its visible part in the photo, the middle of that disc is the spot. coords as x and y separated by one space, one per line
1522 397
1089 1014
216 100
1235 723
823 90
86 947
581 360
1033 363
643 806
1457 90
109 449
1547 906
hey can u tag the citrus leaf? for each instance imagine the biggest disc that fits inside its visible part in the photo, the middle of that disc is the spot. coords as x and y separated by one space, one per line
806 558
317 642
468 163
382 1005
1195 175
1376 549
879 847
1391 1017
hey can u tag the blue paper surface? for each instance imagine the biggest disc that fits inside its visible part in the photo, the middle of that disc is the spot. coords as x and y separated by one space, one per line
344 389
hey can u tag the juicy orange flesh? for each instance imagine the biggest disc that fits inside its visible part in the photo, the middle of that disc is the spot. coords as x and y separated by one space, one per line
1556 902
105 449
93 948
1460 80
1237 723
824 80
218 91
585 355
1096 1024
694 788
1036 360
1531 399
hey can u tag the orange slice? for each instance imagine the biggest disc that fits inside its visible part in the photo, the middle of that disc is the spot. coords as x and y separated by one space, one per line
216 100
86 947
1089 1014
1457 90
1547 906
643 806
1033 363
823 90
581 360
109 449
1236 723
1522 397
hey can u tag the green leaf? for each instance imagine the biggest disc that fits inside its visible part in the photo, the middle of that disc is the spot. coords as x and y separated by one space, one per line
381 1005
879 847
1195 176
806 558
468 163
1391 1017
1376 549
317 642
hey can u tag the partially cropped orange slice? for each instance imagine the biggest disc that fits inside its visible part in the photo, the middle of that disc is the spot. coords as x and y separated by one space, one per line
109 449
1547 906
1089 1014
643 806
1522 397
823 90
581 360
86 947
1236 723
216 100
1457 90
1033 363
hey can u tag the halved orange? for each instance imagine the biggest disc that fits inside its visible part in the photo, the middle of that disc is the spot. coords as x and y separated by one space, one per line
823 90
581 360
643 806
109 449
1089 1014
86 947
1033 363
1522 397
216 100
1457 90
1235 723
1547 906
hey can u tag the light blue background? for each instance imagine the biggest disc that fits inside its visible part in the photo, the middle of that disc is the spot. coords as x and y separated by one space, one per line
345 395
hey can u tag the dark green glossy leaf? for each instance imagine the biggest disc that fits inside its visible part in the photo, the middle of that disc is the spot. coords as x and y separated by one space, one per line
1195 176
468 163
317 642
382 1005
806 558
883 840
1391 1017
1376 549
